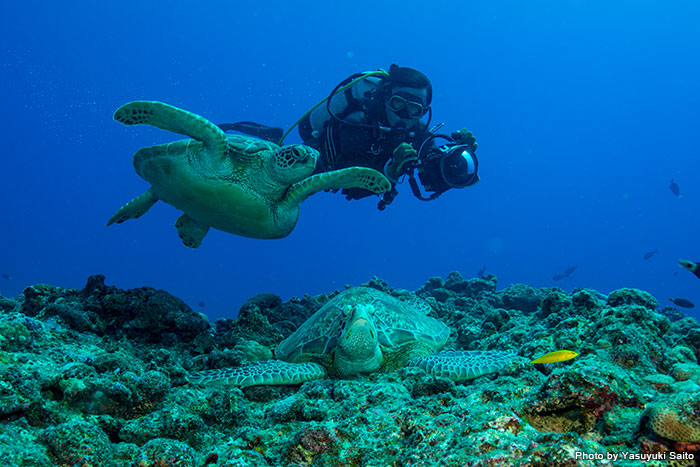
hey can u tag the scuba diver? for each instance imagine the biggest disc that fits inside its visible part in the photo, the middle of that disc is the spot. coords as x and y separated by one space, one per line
375 119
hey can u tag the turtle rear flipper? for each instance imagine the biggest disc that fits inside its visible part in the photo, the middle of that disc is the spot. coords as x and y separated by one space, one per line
135 208
190 230
351 177
171 118
265 373
463 365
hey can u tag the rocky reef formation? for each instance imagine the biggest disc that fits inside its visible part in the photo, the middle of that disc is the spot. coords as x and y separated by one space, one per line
97 377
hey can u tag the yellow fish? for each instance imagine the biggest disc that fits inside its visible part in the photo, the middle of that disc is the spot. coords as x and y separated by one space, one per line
558 356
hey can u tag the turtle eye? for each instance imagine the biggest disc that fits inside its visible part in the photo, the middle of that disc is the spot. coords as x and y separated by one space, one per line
298 154
347 310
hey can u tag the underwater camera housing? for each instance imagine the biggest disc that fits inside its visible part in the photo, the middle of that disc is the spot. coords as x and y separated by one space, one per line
451 165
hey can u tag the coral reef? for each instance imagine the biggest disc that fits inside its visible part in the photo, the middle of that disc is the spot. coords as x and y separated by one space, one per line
676 417
97 377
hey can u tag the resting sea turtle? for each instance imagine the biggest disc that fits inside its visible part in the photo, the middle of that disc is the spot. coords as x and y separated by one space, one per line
361 330
238 184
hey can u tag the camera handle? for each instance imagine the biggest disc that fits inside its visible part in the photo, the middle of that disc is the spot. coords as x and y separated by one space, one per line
416 190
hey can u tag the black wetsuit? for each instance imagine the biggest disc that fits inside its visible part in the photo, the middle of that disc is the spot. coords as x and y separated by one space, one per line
345 145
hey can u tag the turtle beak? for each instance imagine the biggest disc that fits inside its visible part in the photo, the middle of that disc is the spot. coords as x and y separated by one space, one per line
360 322
358 318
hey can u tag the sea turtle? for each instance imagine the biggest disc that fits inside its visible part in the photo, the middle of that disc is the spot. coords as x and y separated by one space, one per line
238 184
361 331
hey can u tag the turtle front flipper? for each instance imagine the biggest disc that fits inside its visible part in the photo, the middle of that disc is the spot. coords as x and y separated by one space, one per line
271 372
171 118
463 365
352 177
190 230
135 208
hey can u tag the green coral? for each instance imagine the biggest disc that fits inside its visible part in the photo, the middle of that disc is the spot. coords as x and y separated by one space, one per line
13 335
622 297
79 443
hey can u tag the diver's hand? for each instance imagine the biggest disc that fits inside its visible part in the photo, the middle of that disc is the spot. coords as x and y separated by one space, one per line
465 137
404 155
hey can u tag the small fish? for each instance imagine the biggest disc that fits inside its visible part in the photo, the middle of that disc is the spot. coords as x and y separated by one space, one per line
682 302
558 277
674 188
481 272
691 266
6 276
202 304
675 273
557 356
649 254
570 271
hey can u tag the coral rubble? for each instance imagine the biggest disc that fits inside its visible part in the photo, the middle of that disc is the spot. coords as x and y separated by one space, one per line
97 377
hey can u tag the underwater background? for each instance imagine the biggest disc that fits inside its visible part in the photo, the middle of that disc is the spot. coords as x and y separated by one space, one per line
584 111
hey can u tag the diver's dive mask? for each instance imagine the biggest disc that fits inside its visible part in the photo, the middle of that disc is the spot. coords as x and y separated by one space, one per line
406 108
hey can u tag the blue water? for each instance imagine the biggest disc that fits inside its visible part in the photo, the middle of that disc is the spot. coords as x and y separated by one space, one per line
583 112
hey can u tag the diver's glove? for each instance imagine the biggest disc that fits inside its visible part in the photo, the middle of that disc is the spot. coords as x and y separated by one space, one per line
465 137
403 158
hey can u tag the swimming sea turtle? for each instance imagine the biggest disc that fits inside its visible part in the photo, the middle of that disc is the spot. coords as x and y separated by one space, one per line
238 184
361 330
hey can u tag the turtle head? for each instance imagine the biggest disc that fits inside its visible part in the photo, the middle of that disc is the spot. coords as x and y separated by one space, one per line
358 348
293 163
